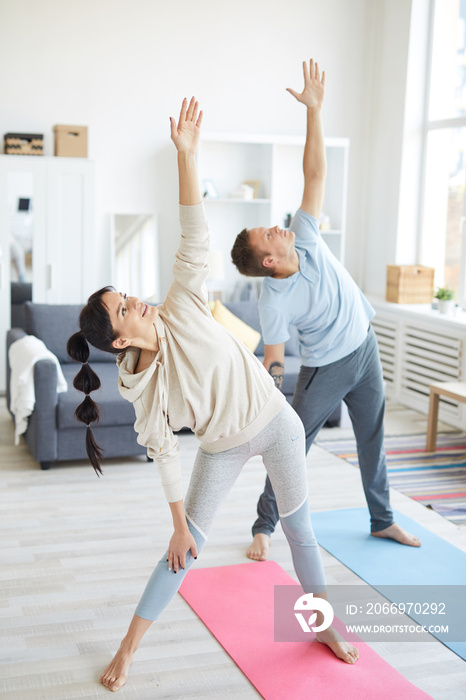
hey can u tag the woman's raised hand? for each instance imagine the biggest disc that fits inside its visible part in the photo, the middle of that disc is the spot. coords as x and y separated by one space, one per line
185 135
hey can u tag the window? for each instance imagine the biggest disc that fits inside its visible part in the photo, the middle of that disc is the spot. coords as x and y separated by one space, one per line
443 235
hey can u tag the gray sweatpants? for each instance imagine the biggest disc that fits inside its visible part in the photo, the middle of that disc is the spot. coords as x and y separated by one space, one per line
282 447
357 380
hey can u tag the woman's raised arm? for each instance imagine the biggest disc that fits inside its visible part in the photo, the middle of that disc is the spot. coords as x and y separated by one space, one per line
185 135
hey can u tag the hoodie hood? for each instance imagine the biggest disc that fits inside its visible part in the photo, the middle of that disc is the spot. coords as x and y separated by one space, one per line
132 385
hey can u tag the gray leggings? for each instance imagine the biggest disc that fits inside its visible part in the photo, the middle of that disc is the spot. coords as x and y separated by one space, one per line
282 447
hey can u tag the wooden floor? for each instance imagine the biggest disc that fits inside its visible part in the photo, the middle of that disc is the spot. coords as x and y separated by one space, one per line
76 552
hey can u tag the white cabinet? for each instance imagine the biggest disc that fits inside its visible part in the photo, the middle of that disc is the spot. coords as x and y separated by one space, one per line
274 165
56 235
69 231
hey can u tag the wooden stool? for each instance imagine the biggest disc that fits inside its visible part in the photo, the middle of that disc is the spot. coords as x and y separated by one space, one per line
454 390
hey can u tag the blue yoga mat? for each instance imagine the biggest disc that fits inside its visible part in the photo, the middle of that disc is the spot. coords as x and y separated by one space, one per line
345 535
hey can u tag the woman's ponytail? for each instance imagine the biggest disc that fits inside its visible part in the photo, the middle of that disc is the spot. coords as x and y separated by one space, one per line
86 381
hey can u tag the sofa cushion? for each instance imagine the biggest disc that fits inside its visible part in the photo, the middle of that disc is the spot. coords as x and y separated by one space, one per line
248 311
54 324
249 336
114 410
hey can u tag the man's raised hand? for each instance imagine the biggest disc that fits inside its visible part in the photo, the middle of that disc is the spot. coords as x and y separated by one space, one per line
314 86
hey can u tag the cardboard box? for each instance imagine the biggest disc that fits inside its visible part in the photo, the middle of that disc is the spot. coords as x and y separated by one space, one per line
24 144
70 141
410 284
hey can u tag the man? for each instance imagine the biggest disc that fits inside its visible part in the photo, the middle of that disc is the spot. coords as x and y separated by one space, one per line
306 286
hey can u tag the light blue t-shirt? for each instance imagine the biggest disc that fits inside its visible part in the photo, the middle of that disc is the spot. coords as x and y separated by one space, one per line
321 299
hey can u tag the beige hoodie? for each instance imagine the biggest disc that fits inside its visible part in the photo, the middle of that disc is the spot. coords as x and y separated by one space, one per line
202 378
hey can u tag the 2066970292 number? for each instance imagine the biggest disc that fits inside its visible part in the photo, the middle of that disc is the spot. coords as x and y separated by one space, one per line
405 608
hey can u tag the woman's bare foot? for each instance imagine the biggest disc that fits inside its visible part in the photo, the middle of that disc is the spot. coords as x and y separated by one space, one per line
342 650
116 674
395 532
259 549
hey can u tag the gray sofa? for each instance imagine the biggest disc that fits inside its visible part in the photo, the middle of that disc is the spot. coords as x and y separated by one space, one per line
53 433
20 293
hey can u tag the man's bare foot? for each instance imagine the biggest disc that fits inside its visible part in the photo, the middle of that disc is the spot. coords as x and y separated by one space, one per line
395 532
116 674
259 549
342 650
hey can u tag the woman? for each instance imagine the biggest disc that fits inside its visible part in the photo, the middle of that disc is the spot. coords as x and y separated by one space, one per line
180 368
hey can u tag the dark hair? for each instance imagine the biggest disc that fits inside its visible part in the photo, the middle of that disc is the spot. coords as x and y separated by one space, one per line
96 329
247 260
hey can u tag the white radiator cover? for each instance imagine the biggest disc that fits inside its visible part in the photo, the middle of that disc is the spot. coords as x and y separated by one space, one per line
417 347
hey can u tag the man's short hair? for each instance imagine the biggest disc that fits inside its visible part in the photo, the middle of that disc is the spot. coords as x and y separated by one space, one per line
247 260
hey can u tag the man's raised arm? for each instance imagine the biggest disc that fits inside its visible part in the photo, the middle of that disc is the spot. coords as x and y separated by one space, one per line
314 161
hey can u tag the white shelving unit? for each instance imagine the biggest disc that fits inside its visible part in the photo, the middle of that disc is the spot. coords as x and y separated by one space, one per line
227 160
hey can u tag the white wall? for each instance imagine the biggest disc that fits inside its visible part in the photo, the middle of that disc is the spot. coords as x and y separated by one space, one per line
394 153
121 67
390 45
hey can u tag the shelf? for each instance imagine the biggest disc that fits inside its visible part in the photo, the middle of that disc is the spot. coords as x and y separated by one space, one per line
234 200
267 139
420 312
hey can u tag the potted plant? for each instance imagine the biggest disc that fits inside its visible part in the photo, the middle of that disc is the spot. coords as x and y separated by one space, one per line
446 301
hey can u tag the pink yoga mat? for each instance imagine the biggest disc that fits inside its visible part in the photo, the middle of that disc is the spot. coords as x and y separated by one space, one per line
236 603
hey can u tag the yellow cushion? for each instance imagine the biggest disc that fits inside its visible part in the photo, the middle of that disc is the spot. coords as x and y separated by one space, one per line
235 325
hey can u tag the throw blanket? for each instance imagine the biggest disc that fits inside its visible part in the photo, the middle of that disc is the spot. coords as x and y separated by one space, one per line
23 355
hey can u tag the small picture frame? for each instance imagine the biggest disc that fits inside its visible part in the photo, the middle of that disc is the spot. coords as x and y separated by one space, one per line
209 191
255 186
